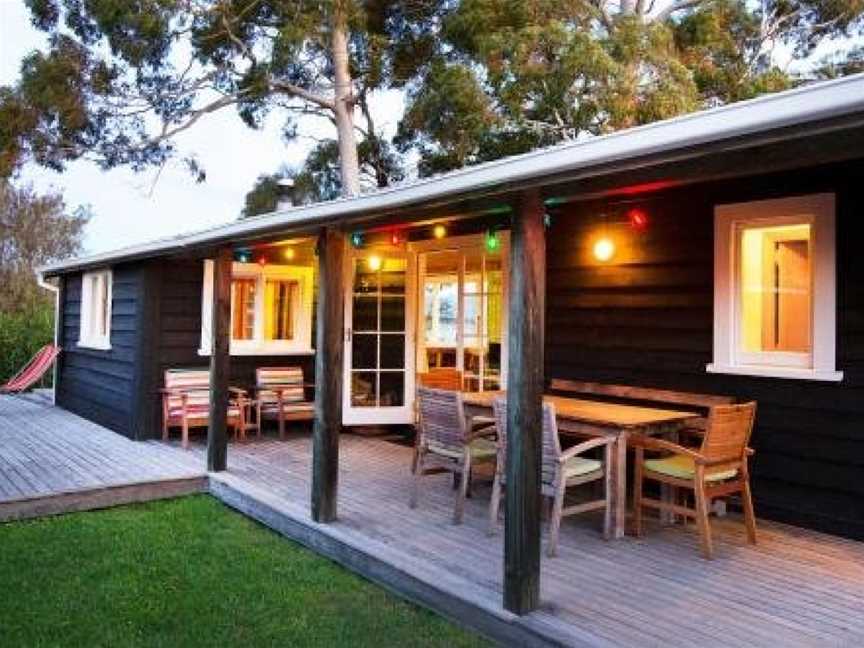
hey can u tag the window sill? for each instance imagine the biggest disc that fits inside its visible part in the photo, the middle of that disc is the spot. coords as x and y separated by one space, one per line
794 373
263 351
96 346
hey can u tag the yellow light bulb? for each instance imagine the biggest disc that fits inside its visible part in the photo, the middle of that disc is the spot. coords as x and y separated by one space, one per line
289 253
374 262
440 231
604 249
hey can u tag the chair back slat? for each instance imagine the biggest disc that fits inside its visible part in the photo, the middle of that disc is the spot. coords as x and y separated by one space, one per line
728 431
442 418
441 378
288 379
195 383
550 466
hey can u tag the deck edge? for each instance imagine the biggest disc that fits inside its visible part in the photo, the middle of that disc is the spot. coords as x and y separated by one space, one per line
89 499
324 539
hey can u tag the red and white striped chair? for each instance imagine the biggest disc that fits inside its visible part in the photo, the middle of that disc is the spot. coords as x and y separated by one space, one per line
32 371
281 395
186 402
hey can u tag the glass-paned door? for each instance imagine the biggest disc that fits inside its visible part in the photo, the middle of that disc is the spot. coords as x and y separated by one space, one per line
462 314
379 367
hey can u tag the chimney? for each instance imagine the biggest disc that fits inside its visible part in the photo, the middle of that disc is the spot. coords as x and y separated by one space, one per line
285 194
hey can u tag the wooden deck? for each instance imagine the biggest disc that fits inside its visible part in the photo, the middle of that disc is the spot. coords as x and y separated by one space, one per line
52 461
795 588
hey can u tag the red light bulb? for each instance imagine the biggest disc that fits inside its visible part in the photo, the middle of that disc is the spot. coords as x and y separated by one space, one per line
638 219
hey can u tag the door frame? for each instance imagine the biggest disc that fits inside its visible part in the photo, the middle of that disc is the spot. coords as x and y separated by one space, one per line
465 242
403 414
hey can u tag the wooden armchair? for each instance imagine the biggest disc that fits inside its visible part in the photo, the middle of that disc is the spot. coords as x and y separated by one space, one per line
445 438
717 468
281 395
186 402
562 469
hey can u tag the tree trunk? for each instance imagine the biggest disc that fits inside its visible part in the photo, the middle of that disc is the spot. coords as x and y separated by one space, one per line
344 105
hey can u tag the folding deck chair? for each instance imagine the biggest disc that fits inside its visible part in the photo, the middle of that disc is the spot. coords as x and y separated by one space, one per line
33 371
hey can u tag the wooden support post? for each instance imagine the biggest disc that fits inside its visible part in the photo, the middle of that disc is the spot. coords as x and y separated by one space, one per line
328 375
220 361
525 405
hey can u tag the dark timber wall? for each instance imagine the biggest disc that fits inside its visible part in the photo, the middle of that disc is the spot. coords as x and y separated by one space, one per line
101 385
646 319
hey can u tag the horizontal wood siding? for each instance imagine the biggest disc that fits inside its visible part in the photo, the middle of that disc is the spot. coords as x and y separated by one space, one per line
100 385
179 337
647 320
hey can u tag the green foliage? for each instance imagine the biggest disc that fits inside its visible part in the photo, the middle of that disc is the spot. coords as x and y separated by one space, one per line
190 572
34 230
22 334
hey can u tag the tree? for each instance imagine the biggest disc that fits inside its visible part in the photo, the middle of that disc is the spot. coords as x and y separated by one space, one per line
123 77
34 230
510 76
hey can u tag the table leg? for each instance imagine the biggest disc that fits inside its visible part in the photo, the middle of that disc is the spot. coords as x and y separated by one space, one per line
620 485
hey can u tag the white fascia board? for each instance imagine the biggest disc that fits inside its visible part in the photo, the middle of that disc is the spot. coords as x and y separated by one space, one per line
799 106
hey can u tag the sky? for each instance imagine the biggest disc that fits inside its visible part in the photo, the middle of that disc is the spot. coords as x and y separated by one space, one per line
132 207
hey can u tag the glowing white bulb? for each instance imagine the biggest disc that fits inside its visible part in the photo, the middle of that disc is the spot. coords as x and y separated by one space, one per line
604 249
374 262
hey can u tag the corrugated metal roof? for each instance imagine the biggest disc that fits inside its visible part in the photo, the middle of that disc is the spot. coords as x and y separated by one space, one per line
807 104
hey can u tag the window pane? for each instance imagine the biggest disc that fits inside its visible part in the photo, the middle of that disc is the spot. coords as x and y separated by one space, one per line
392 313
364 389
365 312
243 311
393 351
102 305
279 303
776 289
392 388
364 351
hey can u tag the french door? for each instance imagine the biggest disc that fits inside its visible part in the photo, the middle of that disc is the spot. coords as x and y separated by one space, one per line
462 311
379 340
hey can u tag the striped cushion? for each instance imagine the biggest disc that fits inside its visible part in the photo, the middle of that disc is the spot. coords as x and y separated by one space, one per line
288 408
288 379
198 411
195 383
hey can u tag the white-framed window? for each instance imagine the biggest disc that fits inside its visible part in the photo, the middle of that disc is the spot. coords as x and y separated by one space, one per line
271 309
95 310
775 288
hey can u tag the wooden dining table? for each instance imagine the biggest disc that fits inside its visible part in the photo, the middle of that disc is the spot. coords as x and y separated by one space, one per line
580 417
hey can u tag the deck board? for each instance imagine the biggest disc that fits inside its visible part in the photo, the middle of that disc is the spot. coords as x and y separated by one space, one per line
795 588
53 461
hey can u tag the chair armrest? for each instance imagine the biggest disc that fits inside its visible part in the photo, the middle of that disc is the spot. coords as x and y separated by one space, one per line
580 448
652 443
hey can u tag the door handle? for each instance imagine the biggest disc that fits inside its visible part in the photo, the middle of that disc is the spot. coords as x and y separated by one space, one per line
347 334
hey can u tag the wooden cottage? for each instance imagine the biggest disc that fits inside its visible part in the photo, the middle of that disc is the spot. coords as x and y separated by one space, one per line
714 253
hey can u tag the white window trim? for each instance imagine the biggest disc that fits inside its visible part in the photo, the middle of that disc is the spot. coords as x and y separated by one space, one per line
300 345
87 339
819 210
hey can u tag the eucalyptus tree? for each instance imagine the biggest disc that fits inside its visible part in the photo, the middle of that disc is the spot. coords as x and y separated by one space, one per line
122 78
509 76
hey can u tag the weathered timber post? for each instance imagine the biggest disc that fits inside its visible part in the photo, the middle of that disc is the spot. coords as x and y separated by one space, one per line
525 405
328 375
220 362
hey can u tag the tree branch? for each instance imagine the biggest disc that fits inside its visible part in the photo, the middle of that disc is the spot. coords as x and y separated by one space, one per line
678 5
303 93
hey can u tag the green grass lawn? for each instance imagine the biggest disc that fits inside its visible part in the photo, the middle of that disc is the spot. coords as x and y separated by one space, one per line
191 572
